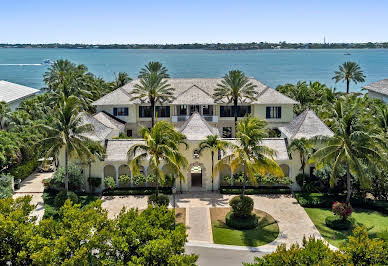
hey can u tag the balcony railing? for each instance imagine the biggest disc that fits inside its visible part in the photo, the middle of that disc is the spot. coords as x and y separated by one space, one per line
183 118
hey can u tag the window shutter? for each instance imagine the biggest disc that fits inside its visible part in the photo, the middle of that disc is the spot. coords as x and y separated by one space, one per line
115 111
279 112
268 112
167 111
126 111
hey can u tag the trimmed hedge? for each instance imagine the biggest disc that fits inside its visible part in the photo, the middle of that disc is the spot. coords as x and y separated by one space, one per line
241 223
24 170
321 200
235 190
241 207
135 191
62 196
159 200
337 223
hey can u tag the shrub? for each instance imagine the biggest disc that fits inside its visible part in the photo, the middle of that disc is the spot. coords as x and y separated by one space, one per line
125 179
338 224
237 222
158 200
342 209
139 180
24 170
63 196
76 178
135 191
256 190
300 178
271 179
109 182
6 189
227 180
241 207
95 182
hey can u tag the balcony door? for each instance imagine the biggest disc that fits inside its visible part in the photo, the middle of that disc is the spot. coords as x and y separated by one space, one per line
194 108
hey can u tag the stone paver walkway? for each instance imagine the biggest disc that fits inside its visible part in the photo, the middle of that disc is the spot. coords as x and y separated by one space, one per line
33 186
199 224
292 219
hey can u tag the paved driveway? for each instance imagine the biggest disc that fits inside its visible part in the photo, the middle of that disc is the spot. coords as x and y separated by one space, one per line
33 186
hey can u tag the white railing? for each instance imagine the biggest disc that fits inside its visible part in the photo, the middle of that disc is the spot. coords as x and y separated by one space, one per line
183 118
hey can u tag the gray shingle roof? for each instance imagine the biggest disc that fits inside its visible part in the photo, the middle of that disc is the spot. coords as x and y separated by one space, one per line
109 121
306 125
10 92
277 144
378 86
193 91
117 149
196 128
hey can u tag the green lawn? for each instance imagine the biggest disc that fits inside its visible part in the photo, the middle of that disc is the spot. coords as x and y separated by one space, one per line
374 221
266 232
50 210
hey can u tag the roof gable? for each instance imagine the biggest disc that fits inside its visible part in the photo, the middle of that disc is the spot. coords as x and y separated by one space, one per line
196 128
194 95
306 125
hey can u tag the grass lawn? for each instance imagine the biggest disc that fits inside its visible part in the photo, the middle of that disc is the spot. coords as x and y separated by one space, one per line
374 221
266 232
50 210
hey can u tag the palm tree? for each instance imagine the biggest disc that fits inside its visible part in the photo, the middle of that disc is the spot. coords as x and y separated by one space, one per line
248 154
303 147
235 87
154 88
154 67
349 71
5 112
214 144
121 79
161 145
353 144
67 132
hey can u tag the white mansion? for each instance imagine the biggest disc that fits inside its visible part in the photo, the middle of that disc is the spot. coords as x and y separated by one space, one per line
195 114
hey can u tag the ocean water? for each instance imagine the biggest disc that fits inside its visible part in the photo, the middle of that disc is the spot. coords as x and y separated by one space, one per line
272 67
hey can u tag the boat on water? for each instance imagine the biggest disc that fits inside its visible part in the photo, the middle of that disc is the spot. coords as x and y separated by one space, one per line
347 54
47 62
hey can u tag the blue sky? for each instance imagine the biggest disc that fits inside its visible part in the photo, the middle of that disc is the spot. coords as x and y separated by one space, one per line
173 21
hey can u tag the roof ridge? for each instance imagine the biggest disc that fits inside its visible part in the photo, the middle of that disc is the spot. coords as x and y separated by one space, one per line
194 85
303 118
113 117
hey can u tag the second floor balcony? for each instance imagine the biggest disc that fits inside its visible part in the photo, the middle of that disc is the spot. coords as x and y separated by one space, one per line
183 118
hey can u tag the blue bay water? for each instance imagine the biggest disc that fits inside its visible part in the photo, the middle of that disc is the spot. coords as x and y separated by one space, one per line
272 67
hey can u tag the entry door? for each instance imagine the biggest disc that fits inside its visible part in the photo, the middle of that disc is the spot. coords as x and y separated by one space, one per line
196 176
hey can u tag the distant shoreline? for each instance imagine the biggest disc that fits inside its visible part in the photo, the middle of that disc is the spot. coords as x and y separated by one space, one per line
211 46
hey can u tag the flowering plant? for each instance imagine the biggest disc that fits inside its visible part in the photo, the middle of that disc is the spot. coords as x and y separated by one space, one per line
342 209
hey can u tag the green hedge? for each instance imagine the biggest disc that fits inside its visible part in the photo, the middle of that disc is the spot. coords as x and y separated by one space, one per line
24 170
241 223
321 200
135 191
255 190
6 189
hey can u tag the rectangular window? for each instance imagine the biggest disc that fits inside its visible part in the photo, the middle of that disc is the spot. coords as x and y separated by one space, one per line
227 132
120 111
162 111
207 110
193 109
273 112
182 109
145 111
129 133
226 111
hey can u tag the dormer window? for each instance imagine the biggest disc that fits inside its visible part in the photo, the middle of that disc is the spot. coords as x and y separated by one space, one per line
273 112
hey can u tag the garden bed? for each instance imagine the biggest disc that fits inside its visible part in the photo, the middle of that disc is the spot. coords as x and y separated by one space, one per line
375 222
135 191
321 200
266 232
250 190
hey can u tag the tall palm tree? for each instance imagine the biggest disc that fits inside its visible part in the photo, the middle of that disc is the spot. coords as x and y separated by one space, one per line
5 112
154 67
352 145
303 147
214 144
234 88
161 145
153 88
67 132
349 71
249 154
121 79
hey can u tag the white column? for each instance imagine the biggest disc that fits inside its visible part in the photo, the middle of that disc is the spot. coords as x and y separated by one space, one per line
231 176
102 178
145 174
117 175
131 179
